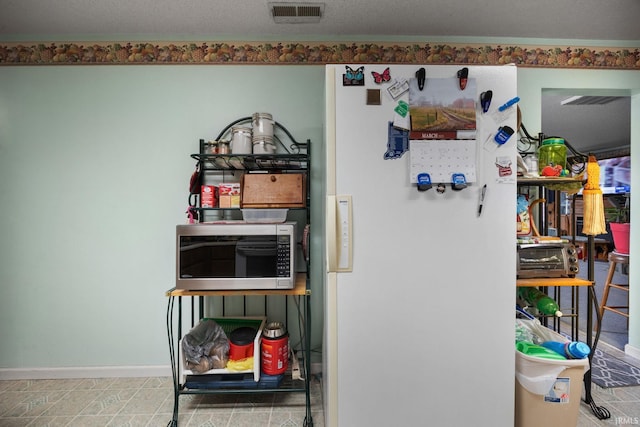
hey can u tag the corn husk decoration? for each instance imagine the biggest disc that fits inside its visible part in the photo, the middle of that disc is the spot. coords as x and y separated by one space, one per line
592 199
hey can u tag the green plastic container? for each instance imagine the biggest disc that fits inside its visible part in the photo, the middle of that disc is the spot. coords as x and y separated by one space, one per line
534 350
552 152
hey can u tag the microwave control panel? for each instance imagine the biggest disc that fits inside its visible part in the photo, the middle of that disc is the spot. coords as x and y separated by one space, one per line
284 256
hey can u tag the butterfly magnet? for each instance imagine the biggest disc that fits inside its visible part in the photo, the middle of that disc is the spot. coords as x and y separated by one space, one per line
381 78
353 77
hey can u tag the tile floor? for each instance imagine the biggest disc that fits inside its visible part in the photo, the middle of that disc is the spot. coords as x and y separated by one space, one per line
145 402
622 402
149 402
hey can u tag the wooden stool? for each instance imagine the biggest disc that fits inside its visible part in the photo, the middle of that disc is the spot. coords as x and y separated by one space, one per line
615 258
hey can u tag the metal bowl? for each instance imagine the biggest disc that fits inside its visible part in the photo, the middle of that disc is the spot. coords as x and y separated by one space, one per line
274 330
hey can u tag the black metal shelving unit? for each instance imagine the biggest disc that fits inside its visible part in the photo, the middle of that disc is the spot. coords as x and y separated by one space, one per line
542 183
291 157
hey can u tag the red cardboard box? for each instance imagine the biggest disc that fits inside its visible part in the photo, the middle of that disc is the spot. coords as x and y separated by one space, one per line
208 196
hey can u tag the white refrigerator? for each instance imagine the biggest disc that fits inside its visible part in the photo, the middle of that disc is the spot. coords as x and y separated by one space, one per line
420 285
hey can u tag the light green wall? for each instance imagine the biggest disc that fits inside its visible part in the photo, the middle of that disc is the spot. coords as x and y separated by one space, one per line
94 169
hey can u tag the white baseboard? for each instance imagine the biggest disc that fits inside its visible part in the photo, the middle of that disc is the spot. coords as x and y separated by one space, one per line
632 351
85 372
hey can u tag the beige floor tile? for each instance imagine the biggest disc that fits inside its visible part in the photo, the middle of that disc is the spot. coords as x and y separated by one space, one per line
30 403
148 402
51 421
16 422
145 401
208 420
90 421
131 421
284 418
95 383
158 382
71 403
127 383
249 419
109 402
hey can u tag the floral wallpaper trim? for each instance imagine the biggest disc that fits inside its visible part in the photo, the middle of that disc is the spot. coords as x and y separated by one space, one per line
315 53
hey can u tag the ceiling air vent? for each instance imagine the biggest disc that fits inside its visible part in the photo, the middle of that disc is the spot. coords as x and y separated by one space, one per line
296 13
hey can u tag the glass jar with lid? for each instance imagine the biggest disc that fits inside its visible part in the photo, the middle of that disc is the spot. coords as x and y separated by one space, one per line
241 140
552 152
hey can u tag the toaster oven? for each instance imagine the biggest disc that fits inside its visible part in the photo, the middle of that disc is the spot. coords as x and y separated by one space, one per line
547 259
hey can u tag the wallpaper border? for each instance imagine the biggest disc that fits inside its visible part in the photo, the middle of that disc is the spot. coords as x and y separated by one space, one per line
315 53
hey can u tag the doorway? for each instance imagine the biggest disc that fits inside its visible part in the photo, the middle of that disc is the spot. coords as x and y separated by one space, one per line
597 122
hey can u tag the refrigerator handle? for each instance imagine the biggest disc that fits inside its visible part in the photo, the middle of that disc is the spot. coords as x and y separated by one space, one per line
339 233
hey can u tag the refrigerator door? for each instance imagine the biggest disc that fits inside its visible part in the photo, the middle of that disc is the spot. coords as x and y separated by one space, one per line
421 319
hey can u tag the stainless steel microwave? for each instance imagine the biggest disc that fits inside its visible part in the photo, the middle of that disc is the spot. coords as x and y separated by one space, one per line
235 255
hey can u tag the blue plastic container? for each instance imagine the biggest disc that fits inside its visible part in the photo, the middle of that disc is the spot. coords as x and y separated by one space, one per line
570 350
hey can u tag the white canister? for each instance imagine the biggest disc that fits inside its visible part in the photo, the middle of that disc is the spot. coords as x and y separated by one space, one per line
263 145
240 140
262 124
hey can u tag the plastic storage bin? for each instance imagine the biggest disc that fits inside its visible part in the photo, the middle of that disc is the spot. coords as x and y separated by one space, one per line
548 392
228 324
265 215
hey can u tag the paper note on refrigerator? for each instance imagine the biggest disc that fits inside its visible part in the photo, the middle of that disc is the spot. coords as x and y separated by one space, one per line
441 158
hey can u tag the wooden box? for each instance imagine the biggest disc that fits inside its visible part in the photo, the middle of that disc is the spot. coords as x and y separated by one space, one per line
273 190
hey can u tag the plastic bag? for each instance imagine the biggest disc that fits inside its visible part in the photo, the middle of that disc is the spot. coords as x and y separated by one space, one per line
536 332
205 347
245 364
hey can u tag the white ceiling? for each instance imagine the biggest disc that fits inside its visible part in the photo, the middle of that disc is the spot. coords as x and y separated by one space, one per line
609 20
589 128
554 19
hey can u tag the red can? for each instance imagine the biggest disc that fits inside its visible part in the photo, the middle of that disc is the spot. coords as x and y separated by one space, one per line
275 355
241 343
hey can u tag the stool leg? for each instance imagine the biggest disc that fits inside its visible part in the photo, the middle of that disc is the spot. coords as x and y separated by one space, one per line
605 293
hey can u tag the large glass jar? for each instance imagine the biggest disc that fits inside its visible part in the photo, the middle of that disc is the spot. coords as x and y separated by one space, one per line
552 152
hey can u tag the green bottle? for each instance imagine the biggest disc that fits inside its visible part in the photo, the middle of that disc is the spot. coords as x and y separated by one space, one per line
538 299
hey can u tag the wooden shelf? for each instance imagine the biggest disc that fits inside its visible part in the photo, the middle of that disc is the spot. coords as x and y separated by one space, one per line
553 281
547 180
300 288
